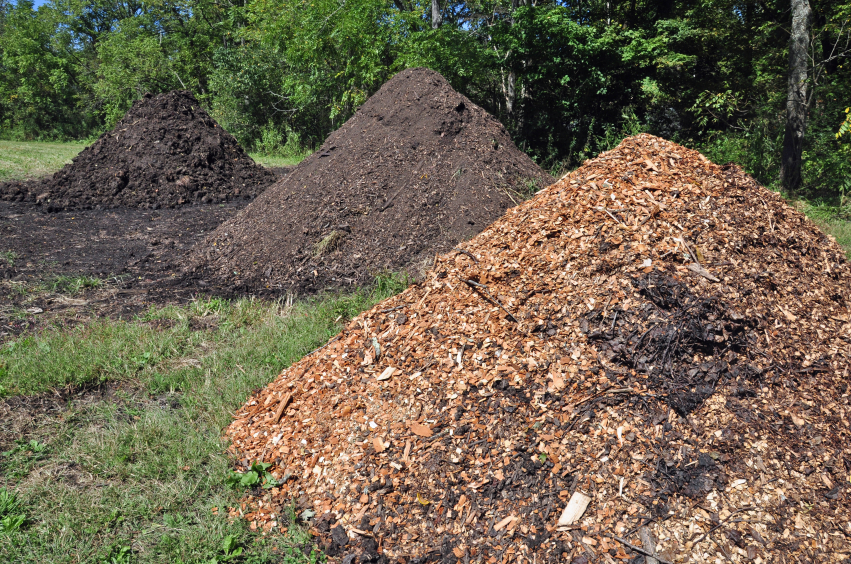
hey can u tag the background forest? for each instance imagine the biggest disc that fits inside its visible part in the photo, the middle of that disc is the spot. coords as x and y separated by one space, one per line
568 78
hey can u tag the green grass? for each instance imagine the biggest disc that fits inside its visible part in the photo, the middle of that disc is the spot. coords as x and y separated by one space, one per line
21 160
134 477
276 160
73 285
33 159
833 220
9 257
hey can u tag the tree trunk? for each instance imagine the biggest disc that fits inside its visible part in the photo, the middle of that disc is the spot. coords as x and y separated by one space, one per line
436 16
510 92
509 85
796 98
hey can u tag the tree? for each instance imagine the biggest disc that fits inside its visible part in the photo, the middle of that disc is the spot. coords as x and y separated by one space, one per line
796 96
436 16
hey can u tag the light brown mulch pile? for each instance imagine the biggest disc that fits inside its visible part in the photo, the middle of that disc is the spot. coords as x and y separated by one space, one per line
654 331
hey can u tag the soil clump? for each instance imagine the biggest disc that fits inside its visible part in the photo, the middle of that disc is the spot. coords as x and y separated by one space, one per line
167 151
657 333
417 169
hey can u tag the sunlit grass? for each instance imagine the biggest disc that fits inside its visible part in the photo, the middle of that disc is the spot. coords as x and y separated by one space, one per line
24 160
140 474
270 161
833 220
21 160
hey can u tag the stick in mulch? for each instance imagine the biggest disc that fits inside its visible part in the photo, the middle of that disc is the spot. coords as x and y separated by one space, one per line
640 550
468 253
281 407
722 523
479 287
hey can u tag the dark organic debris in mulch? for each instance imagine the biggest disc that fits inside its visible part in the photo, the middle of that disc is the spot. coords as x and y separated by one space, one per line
655 335
166 152
416 170
661 338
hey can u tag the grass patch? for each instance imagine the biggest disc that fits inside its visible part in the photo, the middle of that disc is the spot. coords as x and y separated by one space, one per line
142 475
833 220
73 285
270 161
25 160
9 257
20 160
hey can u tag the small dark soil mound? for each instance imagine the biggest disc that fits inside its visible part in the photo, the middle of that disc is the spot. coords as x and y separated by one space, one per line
167 151
416 170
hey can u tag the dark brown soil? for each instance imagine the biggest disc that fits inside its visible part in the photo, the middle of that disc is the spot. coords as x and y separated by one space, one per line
416 170
167 151
136 254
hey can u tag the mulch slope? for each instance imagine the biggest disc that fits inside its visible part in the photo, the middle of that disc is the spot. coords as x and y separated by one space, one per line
417 169
654 331
166 151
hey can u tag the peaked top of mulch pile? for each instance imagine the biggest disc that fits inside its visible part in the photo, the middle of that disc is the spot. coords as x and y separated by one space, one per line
655 336
165 152
417 169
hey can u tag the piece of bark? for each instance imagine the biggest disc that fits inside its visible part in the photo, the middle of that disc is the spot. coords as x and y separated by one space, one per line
575 509
649 544
282 406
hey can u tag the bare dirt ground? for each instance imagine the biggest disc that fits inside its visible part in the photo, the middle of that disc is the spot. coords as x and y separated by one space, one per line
134 256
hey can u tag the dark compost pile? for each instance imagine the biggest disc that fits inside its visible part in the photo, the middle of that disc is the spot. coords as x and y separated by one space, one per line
417 169
167 151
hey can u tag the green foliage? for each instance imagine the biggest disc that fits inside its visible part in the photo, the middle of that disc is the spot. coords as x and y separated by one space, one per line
257 475
271 140
129 67
845 126
119 555
37 90
282 74
286 144
230 548
246 79
12 517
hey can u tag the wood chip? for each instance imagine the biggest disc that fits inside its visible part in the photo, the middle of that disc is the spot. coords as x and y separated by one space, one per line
386 374
504 522
421 430
562 364
378 444
574 510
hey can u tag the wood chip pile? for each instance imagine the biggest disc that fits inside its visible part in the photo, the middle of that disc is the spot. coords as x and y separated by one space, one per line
654 336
